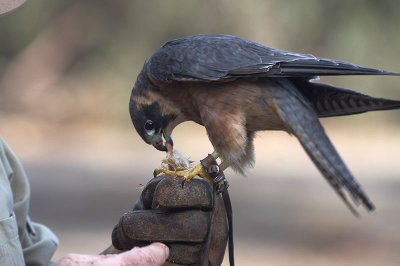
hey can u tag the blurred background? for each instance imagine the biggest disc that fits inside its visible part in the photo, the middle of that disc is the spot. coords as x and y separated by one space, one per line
66 72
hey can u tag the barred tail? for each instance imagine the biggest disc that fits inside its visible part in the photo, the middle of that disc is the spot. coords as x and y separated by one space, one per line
329 101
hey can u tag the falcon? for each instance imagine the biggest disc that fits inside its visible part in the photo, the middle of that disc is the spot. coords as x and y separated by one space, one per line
234 88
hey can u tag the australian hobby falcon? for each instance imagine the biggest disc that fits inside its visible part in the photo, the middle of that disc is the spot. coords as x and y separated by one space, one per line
235 87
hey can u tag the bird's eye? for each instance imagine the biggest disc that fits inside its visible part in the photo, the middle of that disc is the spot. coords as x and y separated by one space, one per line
149 128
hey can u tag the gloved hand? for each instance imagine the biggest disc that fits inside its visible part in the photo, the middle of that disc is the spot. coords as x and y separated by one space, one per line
179 217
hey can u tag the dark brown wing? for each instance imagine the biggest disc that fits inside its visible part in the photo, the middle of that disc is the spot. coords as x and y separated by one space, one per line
220 57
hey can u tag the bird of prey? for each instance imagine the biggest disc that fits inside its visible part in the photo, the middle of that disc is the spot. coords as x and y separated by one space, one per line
235 87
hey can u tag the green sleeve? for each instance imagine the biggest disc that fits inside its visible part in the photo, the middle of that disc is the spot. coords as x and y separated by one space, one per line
21 240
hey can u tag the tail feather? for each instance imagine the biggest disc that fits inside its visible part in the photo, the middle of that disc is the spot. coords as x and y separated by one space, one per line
330 101
328 161
302 120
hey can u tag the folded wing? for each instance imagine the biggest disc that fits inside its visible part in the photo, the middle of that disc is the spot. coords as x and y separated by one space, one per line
224 57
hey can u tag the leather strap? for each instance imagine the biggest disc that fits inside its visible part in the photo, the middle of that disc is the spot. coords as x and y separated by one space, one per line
220 185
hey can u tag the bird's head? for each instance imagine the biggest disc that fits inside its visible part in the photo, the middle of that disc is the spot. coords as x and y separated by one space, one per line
151 124
153 117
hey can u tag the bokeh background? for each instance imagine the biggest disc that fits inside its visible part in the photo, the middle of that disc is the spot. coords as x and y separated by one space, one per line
66 71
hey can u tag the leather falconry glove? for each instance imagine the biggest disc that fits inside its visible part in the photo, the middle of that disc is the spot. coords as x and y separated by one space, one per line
190 219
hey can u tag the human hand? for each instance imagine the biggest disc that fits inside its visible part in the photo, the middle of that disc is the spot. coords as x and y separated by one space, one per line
152 255
178 216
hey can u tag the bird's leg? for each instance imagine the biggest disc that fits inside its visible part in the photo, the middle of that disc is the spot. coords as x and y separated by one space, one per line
215 155
199 170
223 165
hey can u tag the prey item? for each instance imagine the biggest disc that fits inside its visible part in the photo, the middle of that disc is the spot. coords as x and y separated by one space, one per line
178 165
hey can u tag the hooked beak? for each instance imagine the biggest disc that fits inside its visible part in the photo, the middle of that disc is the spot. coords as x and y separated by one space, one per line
167 147
159 145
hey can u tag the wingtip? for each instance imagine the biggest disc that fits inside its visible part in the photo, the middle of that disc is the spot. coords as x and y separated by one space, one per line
388 73
366 202
369 206
376 71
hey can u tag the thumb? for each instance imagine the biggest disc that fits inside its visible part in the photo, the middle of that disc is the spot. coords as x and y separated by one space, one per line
152 255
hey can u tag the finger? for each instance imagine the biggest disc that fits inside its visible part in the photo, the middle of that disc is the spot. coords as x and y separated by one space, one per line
152 255
184 254
170 194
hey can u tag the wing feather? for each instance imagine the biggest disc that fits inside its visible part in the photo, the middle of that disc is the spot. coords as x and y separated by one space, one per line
222 57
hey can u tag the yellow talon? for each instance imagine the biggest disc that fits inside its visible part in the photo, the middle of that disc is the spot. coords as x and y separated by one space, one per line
187 175
198 170
172 173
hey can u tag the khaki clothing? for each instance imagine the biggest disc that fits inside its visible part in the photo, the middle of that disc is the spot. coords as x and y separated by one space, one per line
21 240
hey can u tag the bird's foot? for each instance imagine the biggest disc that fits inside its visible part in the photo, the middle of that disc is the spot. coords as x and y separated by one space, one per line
187 175
198 170
171 173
